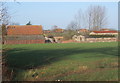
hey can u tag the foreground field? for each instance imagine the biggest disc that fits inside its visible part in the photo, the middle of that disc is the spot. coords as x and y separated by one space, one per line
72 61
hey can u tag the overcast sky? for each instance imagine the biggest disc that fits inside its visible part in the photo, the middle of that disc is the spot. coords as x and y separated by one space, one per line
61 14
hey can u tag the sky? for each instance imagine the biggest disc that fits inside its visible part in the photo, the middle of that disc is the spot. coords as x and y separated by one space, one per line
61 14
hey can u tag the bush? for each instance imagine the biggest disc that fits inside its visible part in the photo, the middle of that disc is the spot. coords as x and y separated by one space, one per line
69 34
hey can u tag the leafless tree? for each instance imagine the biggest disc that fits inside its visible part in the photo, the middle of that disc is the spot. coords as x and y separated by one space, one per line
76 24
14 23
70 30
4 19
72 26
4 15
96 17
79 19
53 28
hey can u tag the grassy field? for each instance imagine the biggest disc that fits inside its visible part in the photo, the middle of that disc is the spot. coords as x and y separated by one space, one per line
67 62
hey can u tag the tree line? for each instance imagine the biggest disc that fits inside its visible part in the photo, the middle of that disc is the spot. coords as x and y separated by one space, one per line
94 18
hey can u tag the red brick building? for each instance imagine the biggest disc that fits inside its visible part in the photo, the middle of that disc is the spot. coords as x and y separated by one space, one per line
83 30
24 34
58 30
46 31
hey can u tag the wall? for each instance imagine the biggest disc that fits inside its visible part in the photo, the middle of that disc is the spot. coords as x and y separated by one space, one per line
68 41
23 41
92 40
100 39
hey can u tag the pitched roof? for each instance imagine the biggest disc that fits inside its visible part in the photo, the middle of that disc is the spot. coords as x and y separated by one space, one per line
24 30
105 31
83 30
59 30
46 31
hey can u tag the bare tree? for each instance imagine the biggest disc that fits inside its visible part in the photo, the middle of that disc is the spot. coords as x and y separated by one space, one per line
14 23
72 26
4 15
4 19
96 17
79 19
53 28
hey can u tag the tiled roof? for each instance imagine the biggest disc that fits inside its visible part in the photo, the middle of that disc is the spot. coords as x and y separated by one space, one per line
82 30
59 30
46 31
105 31
24 30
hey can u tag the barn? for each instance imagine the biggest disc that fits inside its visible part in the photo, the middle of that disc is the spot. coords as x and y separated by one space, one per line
104 33
24 34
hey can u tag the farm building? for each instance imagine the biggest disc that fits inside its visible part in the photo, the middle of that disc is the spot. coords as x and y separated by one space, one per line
46 31
82 30
24 30
104 33
98 36
58 30
58 39
24 34
105 29
110 35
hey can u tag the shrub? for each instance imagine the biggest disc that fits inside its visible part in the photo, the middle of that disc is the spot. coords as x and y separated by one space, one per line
69 34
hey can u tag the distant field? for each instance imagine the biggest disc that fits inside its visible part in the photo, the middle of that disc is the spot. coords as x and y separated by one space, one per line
67 62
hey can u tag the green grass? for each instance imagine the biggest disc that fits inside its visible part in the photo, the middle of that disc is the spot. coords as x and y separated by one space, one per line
72 61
